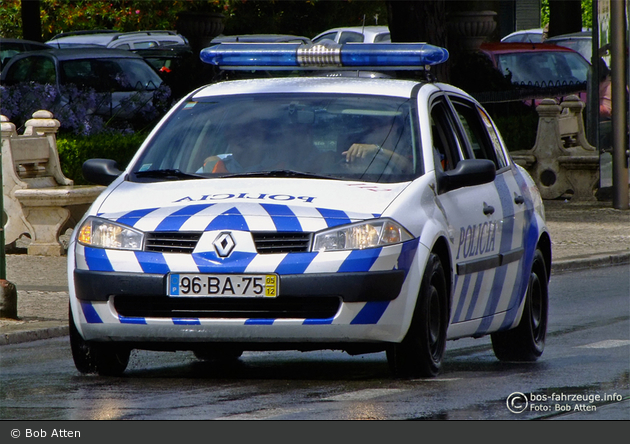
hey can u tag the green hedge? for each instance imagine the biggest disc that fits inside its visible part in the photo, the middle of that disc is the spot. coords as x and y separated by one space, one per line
74 150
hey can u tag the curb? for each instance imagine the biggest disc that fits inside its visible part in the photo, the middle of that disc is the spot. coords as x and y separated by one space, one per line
18 337
593 261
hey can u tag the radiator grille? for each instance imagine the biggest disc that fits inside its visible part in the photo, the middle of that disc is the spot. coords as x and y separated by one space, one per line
266 243
172 242
274 242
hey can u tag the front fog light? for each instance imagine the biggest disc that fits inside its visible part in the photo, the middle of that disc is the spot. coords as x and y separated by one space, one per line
102 233
362 235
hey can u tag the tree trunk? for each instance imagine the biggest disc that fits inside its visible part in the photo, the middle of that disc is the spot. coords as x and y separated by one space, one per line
31 21
420 21
565 16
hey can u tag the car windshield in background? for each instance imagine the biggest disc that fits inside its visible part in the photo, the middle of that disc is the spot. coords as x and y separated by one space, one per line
105 75
348 137
544 68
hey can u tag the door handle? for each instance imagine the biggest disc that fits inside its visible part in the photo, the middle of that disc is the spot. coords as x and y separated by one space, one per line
488 209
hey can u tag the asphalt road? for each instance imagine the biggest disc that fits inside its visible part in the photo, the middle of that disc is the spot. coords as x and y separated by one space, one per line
583 374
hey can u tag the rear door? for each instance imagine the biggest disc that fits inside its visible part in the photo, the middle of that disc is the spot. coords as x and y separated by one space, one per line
487 221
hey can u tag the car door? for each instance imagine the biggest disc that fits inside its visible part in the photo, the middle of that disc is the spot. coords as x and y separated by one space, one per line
478 217
505 265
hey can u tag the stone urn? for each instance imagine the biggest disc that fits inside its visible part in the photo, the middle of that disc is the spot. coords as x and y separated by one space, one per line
200 27
472 28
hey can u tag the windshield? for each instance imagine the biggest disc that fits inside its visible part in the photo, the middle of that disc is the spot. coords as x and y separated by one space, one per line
349 137
544 68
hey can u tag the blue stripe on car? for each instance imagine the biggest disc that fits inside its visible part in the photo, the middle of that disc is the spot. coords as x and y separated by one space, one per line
209 262
295 263
175 221
91 316
133 217
231 219
334 217
530 241
360 260
507 233
370 313
283 218
96 259
132 320
152 262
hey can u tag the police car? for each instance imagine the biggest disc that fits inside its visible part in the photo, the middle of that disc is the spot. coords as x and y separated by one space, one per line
314 212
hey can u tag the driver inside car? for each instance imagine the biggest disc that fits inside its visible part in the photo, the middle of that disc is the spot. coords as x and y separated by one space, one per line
386 139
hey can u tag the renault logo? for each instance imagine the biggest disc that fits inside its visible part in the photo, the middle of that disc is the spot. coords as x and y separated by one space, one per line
224 244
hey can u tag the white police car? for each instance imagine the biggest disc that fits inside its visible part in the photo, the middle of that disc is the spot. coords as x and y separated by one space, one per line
349 213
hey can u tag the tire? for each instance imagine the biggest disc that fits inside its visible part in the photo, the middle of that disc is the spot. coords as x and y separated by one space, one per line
91 357
526 342
421 352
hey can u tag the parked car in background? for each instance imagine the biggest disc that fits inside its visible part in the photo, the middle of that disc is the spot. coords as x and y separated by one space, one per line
11 47
539 65
119 40
118 76
356 34
577 41
261 38
527 35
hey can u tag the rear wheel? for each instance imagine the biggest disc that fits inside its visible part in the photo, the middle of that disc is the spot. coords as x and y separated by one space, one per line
94 357
420 354
526 342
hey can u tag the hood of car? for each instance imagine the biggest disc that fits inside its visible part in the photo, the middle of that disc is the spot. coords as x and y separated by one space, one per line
263 204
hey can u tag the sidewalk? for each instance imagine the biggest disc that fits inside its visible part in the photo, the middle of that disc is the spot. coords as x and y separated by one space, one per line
584 235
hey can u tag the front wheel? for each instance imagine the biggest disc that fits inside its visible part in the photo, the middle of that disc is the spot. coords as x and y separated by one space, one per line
93 357
526 342
420 354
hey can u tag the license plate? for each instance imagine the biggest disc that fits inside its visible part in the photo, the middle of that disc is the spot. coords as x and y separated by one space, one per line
223 285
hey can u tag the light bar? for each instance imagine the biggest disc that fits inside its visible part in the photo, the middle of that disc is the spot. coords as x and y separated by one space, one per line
292 56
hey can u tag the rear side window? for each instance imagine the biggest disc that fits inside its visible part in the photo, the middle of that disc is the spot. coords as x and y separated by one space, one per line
106 75
350 37
479 132
34 69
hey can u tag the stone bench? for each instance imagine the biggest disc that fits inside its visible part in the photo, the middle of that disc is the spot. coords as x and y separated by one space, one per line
38 199
562 161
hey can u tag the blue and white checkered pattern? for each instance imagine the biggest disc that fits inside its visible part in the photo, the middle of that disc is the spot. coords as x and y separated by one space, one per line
240 219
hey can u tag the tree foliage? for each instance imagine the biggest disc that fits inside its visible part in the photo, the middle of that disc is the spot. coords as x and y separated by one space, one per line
303 17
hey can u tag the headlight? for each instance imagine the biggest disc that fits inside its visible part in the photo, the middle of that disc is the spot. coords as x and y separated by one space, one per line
102 233
361 235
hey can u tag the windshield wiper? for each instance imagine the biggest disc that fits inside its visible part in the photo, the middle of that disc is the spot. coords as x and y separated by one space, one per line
168 174
280 173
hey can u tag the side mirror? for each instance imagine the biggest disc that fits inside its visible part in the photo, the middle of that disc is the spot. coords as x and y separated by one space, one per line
101 171
468 173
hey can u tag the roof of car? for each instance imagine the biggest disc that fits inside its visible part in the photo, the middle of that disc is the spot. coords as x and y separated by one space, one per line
333 85
503 47
573 35
365 30
30 42
82 53
105 37
254 38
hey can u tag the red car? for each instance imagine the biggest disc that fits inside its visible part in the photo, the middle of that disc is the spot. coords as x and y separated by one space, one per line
540 65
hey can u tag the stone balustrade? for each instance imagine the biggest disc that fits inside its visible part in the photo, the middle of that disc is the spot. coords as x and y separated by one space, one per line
38 199
562 162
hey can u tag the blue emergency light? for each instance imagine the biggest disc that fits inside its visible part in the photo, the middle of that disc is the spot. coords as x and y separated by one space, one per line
290 56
